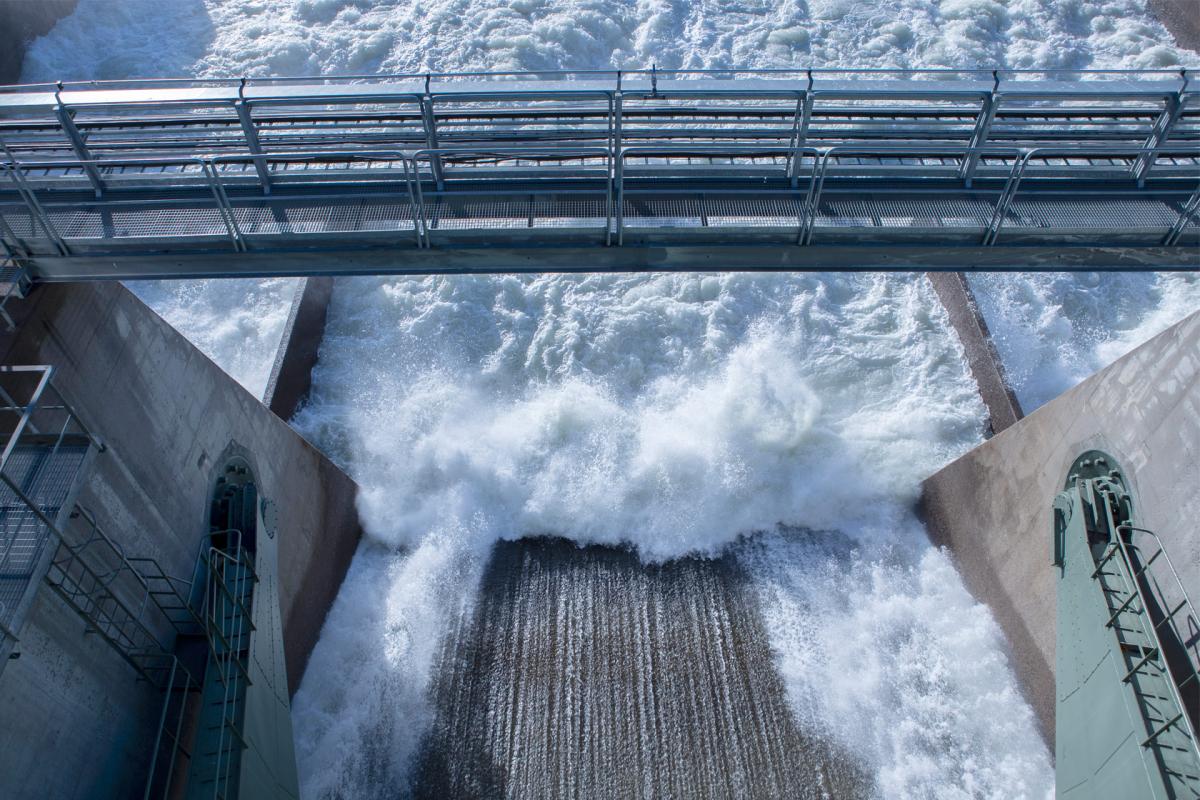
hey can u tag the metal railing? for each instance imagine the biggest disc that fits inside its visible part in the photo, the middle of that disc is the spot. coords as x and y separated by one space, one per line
432 160
1171 600
409 180
1139 608
112 594
225 569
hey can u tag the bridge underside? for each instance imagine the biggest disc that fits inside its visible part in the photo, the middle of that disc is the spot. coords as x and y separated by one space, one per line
663 258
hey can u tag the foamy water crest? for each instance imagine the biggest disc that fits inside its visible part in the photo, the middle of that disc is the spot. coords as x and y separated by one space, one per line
278 37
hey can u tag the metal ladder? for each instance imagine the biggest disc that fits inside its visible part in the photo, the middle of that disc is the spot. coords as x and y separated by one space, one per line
227 626
1123 573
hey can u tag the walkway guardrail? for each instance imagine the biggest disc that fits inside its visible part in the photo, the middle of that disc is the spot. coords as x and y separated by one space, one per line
161 173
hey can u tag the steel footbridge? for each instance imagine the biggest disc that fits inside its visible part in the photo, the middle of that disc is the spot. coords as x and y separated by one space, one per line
594 171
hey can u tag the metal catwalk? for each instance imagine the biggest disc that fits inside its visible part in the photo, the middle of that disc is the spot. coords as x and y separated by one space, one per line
590 171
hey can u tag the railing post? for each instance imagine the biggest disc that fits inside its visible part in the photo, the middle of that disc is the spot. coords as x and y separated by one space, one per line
610 195
1172 111
804 107
431 140
412 196
1005 199
983 126
420 200
813 199
223 205
1185 217
35 208
620 179
67 121
251 133
618 161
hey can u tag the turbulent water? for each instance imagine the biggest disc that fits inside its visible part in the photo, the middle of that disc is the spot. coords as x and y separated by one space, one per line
780 422
671 414
1053 330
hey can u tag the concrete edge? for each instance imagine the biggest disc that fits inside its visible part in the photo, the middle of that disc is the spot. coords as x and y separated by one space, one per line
1181 18
1035 675
984 362
20 24
957 486
291 375
321 578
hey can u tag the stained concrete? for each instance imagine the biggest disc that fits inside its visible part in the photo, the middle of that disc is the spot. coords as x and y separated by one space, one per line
22 21
581 672
982 359
76 722
991 507
291 376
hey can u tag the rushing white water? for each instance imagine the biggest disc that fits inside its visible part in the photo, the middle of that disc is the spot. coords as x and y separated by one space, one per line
1052 330
108 39
676 414
236 323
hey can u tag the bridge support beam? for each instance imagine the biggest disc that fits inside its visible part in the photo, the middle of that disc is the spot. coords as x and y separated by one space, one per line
628 258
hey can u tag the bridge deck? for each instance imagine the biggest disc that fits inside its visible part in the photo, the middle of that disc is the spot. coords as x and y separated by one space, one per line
394 174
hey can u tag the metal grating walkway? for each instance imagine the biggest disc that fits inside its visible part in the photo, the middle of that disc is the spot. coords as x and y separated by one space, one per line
46 474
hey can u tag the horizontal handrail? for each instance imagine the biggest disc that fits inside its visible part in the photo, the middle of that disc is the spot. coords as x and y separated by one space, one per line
556 74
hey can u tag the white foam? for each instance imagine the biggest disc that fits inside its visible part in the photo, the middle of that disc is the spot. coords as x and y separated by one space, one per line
236 323
671 412
1052 330
886 651
103 39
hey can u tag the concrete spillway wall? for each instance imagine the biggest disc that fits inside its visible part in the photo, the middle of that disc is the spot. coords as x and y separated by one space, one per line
22 21
982 359
992 507
291 375
75 717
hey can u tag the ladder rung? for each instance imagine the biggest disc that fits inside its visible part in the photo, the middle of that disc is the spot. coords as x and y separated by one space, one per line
1151 652
1121 609
1159 731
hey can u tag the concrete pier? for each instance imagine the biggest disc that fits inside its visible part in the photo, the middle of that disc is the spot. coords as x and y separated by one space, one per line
77 723
22 21
982 359
992 507
291 376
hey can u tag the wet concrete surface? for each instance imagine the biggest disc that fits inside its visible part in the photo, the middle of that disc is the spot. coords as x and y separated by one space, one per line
583 673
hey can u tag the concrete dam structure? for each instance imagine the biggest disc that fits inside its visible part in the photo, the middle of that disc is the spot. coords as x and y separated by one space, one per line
178 561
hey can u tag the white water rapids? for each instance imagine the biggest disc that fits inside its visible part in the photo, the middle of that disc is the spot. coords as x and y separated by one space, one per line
679 415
